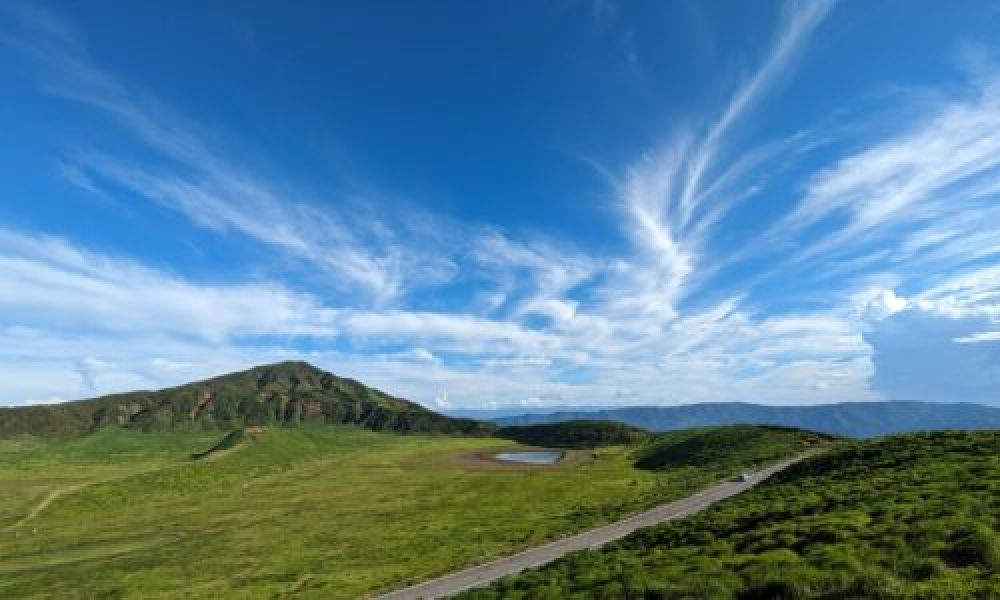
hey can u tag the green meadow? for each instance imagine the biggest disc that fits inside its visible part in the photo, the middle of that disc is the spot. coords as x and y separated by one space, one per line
324 512
910 517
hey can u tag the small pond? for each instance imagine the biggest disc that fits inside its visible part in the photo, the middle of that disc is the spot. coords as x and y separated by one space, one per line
532 457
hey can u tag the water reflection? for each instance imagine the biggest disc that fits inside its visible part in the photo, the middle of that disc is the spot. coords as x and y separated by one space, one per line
532 457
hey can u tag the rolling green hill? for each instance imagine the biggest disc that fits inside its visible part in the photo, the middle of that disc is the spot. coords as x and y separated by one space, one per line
742 445
329 511
288 393
575 434
914 516
266 483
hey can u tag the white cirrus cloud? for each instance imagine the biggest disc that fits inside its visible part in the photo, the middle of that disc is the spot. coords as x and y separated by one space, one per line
49 282
198 176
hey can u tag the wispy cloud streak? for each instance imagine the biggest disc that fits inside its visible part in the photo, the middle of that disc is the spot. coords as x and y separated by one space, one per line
212 189
664 191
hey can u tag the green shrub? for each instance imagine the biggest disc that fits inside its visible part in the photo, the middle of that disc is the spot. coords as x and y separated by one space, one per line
893 518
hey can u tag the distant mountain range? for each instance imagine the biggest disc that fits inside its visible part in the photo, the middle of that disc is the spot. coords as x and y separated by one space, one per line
287 393
292 393
852 419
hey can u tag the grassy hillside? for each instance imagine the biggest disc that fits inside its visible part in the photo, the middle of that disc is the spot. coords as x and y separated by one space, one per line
290 393
319 512
914 516
733 446
575 434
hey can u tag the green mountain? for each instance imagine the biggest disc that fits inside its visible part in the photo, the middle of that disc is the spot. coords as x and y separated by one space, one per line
911 516
288 393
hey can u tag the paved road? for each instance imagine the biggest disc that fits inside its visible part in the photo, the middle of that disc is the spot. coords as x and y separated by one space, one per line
509 565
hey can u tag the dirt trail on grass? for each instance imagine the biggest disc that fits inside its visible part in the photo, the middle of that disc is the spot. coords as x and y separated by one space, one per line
56 494
46 501
485 574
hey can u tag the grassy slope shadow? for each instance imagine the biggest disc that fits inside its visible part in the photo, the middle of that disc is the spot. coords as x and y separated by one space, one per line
228 442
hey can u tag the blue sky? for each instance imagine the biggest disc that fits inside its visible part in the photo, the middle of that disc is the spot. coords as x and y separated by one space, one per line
481 204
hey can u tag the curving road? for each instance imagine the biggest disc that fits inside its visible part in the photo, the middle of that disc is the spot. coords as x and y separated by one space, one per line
484 574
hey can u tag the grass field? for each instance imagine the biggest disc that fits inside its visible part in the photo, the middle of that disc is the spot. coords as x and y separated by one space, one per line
326 512
911 517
